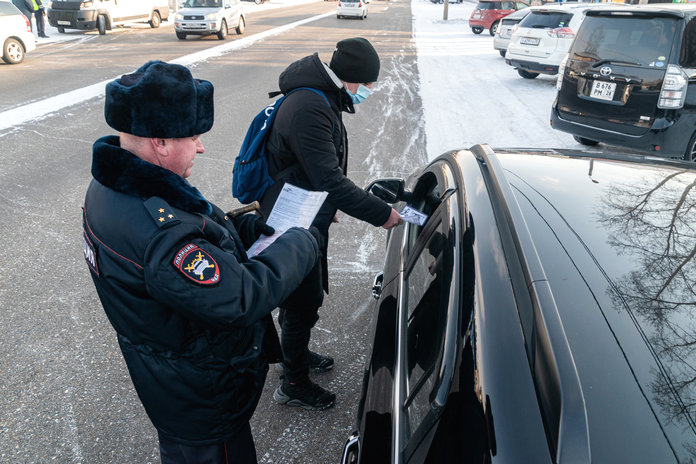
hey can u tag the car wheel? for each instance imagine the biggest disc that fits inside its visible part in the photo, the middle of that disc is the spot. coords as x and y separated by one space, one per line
502 53
61 30
181 35
527 74
584 141
156 20
690 152
101 24
494 27
222 33
240 26
12 51
477 29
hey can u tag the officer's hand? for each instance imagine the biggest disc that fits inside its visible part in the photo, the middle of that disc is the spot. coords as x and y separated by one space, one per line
317 236
394 220
261 228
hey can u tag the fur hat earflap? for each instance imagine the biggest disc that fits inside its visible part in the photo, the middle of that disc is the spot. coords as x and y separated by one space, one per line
159 100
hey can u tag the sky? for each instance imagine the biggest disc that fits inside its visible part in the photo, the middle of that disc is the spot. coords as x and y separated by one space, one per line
486 101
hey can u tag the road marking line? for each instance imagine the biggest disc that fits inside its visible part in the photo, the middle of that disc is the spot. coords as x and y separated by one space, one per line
45 107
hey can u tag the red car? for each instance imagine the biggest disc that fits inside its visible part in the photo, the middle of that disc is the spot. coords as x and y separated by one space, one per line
487 14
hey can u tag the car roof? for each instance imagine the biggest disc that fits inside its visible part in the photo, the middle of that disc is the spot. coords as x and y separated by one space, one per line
612 234
676 9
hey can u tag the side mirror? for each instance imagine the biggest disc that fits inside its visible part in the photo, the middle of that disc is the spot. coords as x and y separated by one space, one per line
390 190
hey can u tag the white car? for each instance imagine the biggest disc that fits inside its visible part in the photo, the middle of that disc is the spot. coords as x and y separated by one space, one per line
356 9
208 17
504 30
542 39
15 34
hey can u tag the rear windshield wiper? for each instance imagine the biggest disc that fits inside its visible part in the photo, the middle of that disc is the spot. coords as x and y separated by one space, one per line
601 62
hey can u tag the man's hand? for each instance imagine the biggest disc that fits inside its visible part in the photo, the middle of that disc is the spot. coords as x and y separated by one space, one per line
394 220
261 228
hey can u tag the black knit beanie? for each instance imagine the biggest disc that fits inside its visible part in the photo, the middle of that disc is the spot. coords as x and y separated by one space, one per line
355 60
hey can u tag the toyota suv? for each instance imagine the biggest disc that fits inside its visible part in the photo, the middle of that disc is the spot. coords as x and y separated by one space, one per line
208 17
630 80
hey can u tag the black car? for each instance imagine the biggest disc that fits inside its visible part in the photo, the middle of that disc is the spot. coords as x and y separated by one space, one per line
544 313
630 80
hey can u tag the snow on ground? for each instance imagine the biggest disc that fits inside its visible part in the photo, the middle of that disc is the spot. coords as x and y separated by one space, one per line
470 95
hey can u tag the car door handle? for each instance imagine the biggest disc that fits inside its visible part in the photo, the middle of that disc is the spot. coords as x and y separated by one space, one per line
377 286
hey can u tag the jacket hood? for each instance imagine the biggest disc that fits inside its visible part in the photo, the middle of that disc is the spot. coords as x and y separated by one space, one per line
311 72
121 170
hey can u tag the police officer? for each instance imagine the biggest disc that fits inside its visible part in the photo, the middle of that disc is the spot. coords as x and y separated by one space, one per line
190 309
39 18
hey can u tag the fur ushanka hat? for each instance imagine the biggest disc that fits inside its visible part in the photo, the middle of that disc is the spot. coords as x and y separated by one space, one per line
159 100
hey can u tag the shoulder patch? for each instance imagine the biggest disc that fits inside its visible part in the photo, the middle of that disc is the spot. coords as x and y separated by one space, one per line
161 212
90 253
196 264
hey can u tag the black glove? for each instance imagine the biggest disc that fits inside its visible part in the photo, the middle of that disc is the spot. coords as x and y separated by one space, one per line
317 236
261 228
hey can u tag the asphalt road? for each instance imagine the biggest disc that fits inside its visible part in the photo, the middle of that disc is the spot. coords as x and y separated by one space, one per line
66 395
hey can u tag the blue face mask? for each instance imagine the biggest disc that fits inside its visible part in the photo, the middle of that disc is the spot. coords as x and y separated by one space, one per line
360 95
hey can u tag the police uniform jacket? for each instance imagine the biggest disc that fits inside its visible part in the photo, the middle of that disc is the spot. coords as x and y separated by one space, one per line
308 147
190 309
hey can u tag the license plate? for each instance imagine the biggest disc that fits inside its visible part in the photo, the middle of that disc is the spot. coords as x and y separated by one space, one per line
63 23
529 41
603 90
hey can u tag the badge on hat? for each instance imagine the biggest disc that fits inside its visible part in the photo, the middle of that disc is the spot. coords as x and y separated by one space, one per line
196 264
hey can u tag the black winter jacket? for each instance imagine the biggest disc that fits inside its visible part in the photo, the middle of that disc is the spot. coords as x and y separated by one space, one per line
310 133
190 309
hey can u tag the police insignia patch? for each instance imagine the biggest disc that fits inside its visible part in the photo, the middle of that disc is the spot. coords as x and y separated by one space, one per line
196 264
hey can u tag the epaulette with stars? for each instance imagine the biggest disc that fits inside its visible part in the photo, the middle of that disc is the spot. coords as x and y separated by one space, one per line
161 212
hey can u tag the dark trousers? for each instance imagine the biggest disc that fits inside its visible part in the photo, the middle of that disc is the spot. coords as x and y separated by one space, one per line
239 450
296 317
39 17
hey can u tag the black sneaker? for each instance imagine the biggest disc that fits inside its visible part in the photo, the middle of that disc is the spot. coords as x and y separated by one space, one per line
307 395
317 363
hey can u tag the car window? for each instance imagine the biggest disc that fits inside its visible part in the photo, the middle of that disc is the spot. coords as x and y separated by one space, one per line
490 6
626 40
426 198
546 19
521 5
203 4
427 284
7 8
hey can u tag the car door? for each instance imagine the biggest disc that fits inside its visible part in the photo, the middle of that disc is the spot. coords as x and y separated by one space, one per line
428 312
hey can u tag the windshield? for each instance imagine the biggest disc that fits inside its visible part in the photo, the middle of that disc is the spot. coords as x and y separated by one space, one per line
203 4
496 6
625 40
546 20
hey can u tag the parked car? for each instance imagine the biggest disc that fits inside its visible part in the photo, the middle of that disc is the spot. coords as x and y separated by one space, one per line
15 34
103 15
208 17
487 14
357 9
543 313
504 29
542 39
629 80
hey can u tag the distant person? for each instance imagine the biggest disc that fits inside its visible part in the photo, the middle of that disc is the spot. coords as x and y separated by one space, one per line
39 18
308 146
190 309
26 7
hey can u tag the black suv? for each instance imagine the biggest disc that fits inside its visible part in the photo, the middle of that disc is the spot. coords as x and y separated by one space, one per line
630 80
543 313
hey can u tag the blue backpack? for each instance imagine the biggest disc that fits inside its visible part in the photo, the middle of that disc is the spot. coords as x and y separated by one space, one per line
250 178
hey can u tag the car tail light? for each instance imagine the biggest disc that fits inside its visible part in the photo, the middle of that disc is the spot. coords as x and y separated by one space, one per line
28 23
673 91
359 4
561 71
561 33
339 3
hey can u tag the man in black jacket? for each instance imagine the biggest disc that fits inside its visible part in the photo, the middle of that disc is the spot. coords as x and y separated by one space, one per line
191 311
308 147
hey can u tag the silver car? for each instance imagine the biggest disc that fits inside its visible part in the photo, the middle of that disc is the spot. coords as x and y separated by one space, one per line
208 17
504 30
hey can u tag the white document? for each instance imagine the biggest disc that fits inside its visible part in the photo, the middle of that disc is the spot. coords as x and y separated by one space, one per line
295 207
412 215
